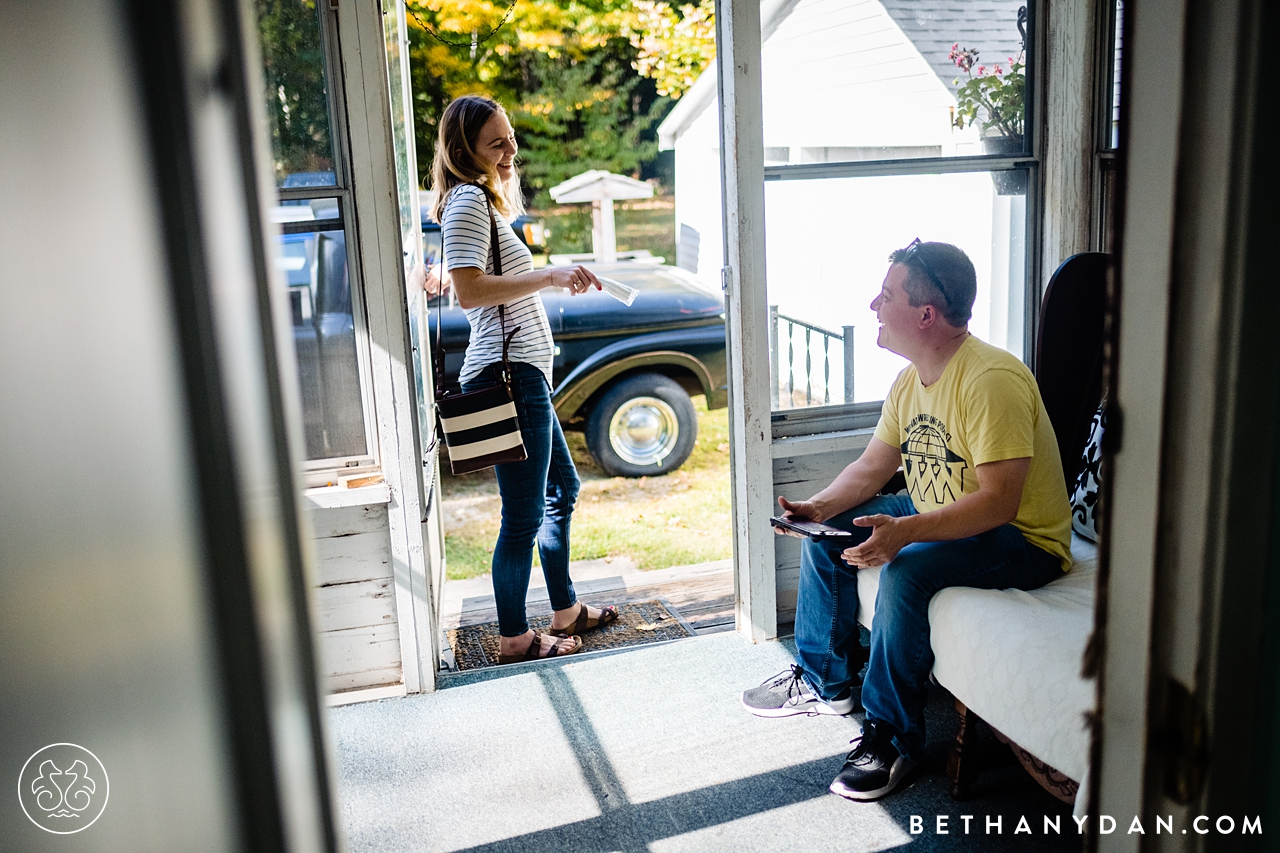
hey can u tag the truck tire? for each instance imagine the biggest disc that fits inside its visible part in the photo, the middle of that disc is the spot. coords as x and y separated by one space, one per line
644 425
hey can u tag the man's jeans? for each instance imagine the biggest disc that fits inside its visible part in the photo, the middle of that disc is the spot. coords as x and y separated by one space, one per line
537 501
894 689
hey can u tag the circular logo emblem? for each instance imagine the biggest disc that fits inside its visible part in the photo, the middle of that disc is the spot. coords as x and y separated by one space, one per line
63 788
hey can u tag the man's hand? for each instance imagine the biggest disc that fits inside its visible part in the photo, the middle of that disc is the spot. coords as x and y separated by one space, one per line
887 539
798 509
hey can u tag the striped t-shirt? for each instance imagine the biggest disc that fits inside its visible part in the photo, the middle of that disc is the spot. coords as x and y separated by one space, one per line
465 224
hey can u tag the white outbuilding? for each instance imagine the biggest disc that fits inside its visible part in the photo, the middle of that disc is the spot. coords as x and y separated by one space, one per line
857 81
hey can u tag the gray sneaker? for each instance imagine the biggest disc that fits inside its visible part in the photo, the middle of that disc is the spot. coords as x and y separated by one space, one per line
787 694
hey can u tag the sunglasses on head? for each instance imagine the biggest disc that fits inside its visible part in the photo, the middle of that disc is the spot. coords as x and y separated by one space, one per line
912 255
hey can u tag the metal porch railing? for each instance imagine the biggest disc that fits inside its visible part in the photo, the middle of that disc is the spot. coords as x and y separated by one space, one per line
790 332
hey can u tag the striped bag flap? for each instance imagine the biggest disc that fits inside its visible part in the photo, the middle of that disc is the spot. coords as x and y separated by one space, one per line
480 429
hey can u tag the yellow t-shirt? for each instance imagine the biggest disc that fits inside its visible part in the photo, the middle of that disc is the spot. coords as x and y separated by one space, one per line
985 407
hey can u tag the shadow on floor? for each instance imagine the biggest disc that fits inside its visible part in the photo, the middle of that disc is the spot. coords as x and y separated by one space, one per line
647 750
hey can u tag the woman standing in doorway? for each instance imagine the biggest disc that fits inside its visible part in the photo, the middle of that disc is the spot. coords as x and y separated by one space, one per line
474 177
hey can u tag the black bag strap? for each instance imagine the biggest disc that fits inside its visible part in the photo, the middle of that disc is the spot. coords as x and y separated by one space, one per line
495 253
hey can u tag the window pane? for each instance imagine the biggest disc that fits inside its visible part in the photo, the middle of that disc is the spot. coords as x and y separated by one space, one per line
1114 135
827 249
297 96
312 210
849 80
313 259
1107 205
409 218
432 242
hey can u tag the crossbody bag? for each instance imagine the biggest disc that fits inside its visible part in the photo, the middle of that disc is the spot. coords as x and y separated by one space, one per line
480 428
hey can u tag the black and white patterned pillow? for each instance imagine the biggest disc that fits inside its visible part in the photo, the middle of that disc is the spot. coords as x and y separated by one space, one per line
1084 496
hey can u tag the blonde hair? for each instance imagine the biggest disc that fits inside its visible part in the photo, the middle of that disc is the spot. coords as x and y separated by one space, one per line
456 162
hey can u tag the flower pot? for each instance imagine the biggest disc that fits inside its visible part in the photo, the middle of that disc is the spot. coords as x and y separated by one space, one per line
1007 183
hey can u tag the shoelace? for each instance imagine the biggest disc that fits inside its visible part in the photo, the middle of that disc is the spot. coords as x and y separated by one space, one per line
795 685
861 756
796 688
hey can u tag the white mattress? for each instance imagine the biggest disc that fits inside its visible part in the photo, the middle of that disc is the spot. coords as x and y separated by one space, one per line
1014 657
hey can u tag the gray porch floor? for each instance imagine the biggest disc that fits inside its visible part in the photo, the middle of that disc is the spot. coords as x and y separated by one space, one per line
646 749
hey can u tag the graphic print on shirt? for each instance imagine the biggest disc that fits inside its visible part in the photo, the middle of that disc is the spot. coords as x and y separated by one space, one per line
934 473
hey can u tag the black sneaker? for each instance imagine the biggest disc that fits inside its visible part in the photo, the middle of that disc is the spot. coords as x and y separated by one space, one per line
873 769
787 694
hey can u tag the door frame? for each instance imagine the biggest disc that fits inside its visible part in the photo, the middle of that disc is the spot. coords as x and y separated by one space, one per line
746 314
1190 496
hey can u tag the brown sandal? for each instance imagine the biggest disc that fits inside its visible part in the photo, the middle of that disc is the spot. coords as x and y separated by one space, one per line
532 653
585 623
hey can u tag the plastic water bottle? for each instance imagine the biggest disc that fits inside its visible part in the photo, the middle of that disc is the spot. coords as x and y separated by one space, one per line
619 291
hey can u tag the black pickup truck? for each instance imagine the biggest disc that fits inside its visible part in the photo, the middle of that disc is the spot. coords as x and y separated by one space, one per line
623 375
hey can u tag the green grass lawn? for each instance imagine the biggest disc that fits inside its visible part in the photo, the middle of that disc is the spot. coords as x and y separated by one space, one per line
672 520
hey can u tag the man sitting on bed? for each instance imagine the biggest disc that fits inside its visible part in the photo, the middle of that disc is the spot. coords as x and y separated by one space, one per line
986 507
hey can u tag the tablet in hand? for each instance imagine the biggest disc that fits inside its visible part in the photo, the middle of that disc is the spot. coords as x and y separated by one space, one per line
815 530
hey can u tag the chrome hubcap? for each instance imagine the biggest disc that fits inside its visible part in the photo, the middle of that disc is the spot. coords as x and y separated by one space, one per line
644 431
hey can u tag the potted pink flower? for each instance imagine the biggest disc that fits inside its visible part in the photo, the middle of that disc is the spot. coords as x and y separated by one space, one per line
994 98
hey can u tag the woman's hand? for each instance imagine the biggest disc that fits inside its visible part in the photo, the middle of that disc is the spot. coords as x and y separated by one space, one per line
576 280
417 277
436 281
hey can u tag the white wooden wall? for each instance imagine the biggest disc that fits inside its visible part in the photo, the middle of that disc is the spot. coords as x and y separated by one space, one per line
354 597
803 466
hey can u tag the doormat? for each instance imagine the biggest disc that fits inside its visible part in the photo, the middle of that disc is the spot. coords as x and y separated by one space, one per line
639 622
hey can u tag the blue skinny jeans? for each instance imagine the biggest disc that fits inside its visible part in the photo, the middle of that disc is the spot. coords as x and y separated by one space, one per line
538 495
894 690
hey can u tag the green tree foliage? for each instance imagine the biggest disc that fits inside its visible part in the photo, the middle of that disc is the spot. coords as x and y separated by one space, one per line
674 46
566 70
597 115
